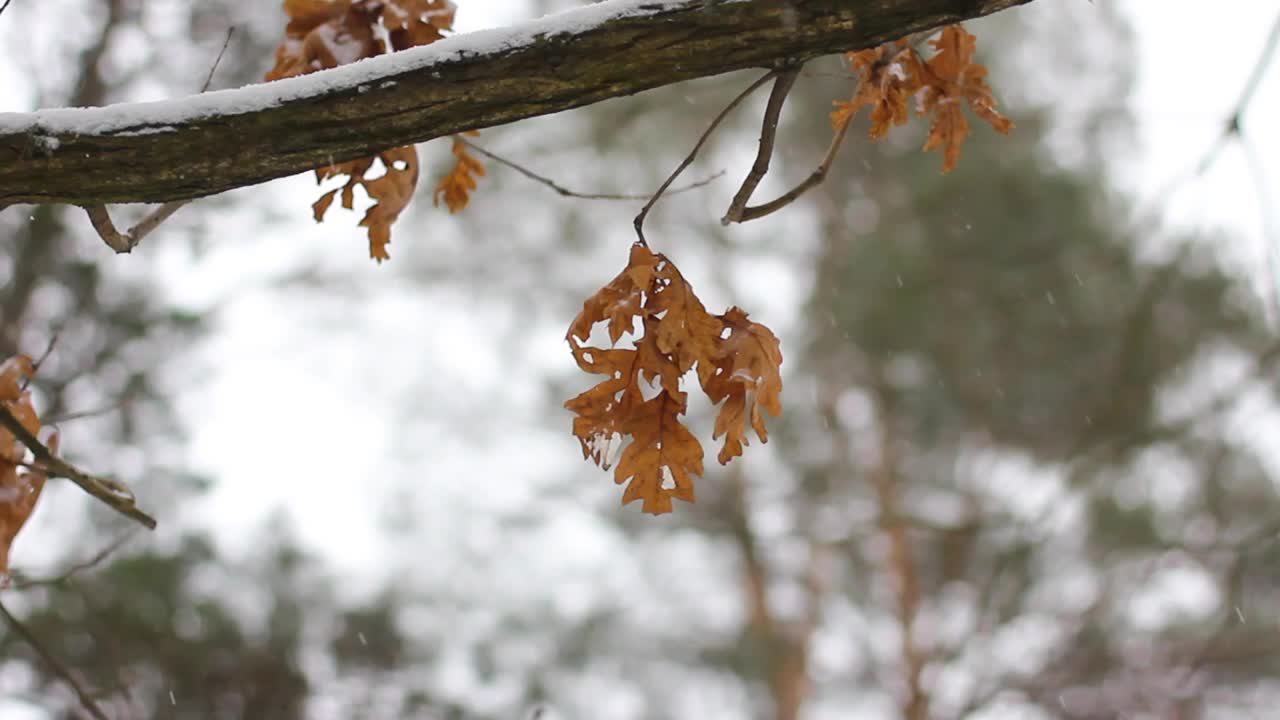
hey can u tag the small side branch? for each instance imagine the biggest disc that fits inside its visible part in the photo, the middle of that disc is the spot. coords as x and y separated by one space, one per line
86 700
644 211
739 211
23 583
768 133
126 242
566 192
112 492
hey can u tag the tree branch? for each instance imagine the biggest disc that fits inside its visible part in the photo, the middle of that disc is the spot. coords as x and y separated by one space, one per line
159 152
112 492
768 133
86 700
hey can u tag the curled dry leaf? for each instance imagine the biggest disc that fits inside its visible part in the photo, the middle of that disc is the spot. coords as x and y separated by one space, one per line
456 187
19 487
391 192
660 457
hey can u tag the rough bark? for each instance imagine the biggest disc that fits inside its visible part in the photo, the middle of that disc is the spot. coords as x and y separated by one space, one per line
157 162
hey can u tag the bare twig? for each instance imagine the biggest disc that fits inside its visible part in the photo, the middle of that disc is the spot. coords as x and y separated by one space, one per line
112 492
817 176
782 85
86 700
4 7
85 414
101 219
126 242
35 366
639 221
65 575
573 193
209 80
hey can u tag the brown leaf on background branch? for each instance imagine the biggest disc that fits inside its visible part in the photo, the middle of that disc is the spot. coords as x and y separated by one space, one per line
894 73
637 408
324 34
953 76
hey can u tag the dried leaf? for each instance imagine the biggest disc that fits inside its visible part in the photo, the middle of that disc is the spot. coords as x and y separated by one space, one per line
660 456
748 377
663 456
457 185
890 75
19 488
390 192
952 77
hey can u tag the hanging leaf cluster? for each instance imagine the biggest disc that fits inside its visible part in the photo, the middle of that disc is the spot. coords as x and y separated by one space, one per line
324 34
636 409
20 486
893 74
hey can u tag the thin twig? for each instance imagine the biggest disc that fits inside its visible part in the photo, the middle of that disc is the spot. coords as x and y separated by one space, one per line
207 81
91 563
639 221
573 193
86 700
817 176
85 414
125 242
112 492
35 366
782 85
4 7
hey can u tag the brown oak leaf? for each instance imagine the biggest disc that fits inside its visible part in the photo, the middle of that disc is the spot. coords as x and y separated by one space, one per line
951 76
662 457
19 487
456 186
748 378
391 193
890 75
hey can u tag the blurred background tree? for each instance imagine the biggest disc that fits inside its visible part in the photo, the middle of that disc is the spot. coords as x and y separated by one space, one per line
1010 481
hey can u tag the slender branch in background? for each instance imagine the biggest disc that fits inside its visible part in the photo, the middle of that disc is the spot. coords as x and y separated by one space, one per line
639 221
4 7
85 414
64 576
768 133
901 562
86 700
1270 227
115 494
101 219
573 193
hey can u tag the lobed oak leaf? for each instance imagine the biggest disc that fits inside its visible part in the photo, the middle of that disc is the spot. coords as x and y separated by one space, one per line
322 35
456 186
391 193
663 456
411 23
621 301
951 77
684 330
601 412
748 377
